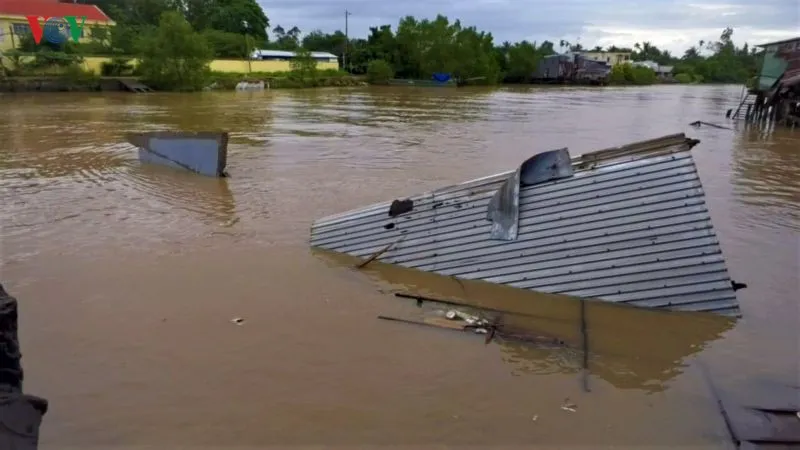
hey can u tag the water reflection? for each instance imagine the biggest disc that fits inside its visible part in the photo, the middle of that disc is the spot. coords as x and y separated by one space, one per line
630 348
767 171
208 197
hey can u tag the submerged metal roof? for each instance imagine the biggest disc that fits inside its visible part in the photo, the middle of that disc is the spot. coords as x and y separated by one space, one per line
631 226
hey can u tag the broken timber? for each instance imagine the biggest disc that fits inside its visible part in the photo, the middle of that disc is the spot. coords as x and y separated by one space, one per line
627 225
205 153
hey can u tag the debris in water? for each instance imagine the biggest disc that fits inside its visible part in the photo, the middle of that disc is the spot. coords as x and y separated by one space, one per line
380 252
535 418
569 406
231 222
700 122
237 320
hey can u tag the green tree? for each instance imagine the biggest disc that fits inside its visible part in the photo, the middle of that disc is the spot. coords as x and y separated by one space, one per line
286 40
303 65
379 72
174 56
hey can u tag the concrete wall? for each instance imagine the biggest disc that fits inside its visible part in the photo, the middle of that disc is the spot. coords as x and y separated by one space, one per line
245 66
95 65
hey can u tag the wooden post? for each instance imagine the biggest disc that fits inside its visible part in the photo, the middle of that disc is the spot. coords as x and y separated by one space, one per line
20 414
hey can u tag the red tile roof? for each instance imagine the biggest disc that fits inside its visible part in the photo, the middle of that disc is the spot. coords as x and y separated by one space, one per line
46 8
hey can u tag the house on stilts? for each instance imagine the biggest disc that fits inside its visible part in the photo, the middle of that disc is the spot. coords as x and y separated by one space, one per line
774 96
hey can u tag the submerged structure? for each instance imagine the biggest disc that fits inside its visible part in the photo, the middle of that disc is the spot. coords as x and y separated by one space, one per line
775 93
627 225
205 153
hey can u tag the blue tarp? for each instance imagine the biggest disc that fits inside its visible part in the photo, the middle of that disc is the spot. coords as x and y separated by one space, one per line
441 77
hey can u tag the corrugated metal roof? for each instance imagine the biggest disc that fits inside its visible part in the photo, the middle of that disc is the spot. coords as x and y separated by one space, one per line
631 226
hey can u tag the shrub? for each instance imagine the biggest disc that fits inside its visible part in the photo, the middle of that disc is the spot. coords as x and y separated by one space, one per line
379 72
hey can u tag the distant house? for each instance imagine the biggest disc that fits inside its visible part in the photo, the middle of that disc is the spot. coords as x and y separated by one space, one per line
610 58
281 55
571 67
661 71
14 24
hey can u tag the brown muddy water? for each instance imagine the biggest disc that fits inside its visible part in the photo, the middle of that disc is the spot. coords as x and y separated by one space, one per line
128 276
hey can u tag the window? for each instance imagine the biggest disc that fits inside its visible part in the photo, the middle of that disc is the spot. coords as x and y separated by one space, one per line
20 29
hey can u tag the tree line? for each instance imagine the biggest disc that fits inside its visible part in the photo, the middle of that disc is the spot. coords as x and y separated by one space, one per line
197 30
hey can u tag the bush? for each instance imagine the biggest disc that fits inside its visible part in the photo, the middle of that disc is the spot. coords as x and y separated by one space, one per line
304 67
684 78
118 66
379 72
630 74
78 75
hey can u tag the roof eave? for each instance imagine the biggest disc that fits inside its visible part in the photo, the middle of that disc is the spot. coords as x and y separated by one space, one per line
778 42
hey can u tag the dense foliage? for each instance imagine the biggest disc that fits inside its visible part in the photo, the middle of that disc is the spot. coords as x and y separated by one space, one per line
174 56
416 48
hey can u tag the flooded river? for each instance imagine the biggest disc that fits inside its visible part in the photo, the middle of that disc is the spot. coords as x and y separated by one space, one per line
128 276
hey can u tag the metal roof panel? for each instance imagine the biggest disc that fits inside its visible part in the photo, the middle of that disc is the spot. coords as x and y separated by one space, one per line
631 226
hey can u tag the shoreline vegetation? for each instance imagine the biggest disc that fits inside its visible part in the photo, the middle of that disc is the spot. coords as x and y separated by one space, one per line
175 55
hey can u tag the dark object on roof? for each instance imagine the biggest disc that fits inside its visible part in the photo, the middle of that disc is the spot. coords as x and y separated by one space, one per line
400 207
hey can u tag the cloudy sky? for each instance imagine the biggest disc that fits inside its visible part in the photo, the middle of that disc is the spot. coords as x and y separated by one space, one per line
670 24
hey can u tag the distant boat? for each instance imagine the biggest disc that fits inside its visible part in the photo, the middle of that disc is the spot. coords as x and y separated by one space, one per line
627 225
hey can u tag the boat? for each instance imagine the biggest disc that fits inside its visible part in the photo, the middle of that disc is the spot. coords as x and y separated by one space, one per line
626 225
205 153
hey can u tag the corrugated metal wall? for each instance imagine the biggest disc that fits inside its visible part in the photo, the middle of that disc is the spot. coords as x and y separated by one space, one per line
636 233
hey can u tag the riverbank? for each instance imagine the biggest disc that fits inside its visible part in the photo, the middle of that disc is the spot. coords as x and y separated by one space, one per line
224 82
217 81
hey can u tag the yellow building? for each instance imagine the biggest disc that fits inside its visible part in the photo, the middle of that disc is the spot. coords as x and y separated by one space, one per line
14 24
611 58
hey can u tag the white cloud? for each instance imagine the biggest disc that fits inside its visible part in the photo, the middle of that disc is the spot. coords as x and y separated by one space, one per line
671 24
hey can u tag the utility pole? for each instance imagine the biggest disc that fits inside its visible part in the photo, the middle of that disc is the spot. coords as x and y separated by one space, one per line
346 39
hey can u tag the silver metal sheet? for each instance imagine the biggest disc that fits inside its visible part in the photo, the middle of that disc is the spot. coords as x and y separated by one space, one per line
631 226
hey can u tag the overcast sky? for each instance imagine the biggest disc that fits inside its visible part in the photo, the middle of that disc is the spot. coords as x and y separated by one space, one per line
671 24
